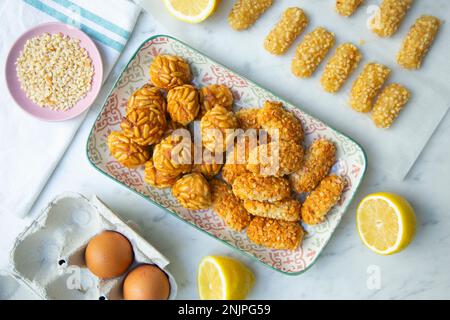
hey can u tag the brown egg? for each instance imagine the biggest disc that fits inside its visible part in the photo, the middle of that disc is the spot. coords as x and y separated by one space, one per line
109 254
146 282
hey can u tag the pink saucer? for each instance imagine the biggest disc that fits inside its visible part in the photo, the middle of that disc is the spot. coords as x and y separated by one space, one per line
19 95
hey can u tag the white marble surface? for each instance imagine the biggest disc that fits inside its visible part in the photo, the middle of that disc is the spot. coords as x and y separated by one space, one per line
342 271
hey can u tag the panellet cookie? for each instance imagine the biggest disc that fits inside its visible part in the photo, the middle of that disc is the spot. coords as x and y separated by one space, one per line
210 164
248 118
291 25
147 97
228 206
168 72
418 41
146 126
275 119
236 159
249 186
236 164
389 104
286 210
183 104
311 52
218 129
347 7
366 87
245 13
159 179
215 95
389 16
275 234
171 127
340 67
276 158
127 152
193 192
320 201
319 159
173 155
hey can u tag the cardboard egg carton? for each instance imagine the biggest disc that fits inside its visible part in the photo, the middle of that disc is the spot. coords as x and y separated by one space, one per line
48 256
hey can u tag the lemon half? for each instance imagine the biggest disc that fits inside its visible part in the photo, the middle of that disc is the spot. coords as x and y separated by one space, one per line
386 222
192 11
223 278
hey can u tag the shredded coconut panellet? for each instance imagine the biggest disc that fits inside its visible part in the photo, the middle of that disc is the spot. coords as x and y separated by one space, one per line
54 71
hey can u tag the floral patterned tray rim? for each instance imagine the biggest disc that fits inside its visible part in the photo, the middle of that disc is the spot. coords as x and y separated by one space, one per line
114 87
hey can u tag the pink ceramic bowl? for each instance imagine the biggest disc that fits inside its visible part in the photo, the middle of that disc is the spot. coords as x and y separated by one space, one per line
19 95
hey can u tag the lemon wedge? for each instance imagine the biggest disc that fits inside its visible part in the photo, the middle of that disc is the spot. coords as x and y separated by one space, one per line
192 11
386 222
223 278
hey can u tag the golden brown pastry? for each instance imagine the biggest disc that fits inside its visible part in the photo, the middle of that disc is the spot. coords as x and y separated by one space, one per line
147 97
217 128
215 95
286 210
182 104
173 155
248 118
275 234
210 165
276 158
252 187
145 126
319 159
168 72
193 192
322 199
159 179
127 152
274 119
228 206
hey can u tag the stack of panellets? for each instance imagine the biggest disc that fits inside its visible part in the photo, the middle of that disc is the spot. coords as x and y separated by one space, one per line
259 177
315 46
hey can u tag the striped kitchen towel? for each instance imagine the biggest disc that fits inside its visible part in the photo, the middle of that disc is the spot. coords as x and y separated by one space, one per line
30 149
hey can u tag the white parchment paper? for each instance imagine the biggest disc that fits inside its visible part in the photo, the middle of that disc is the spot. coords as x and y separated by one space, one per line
394 150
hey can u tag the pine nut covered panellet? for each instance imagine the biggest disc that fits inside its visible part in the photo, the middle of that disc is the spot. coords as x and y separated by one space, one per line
311 52
319 160
275 234
291 25
391 13
367 85
228 206
245 13
347 7
340 67
418 41
286 210
322 199
389 104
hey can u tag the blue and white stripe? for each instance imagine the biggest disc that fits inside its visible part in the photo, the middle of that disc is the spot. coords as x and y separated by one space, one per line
100 29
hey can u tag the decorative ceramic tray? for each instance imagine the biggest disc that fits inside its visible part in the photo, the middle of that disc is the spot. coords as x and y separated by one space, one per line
351 162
